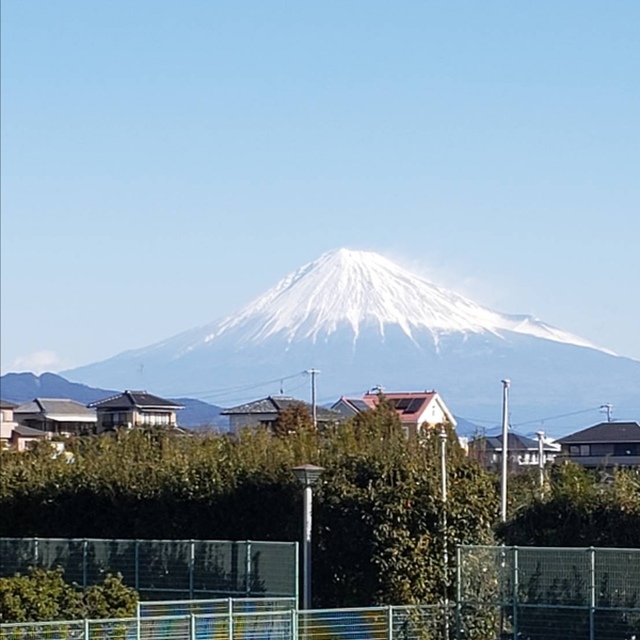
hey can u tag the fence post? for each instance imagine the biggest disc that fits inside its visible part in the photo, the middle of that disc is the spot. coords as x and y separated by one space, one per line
592 593
192 627
390 622
230 614
136 563
86 629
35 551
294 624
84 563
192 561
247 577
516 587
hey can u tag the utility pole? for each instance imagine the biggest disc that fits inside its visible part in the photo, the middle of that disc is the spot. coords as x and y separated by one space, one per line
445 542
505 448
313 373
540 435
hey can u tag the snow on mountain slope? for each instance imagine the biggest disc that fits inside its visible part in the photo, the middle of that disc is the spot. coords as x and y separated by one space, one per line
363 289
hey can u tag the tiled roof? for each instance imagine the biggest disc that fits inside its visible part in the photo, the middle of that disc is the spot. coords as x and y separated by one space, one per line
605 432
57 409
276 404
28 432
358 404
135 399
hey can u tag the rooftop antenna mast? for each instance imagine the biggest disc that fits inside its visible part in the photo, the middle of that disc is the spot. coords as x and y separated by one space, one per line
608 407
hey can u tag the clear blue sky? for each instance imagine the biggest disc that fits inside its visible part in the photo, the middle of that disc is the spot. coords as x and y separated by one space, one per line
165 162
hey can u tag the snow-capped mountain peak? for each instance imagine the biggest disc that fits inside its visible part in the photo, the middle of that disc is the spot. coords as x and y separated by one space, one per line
358 289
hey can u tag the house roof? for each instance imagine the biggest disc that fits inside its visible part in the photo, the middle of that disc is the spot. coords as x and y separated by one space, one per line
57 409
28 432
5 404
408 405
356 404
276 404
605 432
515 442
135 400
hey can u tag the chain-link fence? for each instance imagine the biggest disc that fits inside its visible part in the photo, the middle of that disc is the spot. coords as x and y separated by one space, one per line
535 593
164 569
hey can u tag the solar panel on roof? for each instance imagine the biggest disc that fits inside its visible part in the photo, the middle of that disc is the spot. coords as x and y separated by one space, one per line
402 403
414 405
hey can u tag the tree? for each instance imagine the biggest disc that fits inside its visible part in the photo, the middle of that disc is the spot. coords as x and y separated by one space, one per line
294 418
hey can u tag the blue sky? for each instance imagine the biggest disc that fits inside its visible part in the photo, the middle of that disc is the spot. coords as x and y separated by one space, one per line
163 162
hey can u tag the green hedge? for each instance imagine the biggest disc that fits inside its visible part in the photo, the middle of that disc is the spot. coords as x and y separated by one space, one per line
43 595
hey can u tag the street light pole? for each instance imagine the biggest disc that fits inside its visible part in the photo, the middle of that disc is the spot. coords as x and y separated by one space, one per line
308 475
505 448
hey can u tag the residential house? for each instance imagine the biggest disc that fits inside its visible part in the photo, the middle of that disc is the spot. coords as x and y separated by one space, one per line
23 437
522 452
59 416
7 422
265 412
416 409
606 444
134 409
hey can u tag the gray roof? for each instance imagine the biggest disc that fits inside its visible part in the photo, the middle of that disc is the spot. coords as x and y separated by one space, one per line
605 432
28 432
5 404
135 400
357 405
61 409
276 404
515 442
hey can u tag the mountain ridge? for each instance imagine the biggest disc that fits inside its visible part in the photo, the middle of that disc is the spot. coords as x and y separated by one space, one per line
364 321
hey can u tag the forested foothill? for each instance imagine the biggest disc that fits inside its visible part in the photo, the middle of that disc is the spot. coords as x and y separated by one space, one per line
378 509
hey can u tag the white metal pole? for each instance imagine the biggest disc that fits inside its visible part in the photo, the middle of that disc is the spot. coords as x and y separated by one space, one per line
314 410
306 549
540 435
443 474
505 448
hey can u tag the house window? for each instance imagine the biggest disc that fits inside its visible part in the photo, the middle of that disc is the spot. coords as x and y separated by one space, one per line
580 450
626 449
601 449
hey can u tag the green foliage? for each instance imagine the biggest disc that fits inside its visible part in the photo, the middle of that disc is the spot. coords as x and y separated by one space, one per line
378 512
43 595
579 508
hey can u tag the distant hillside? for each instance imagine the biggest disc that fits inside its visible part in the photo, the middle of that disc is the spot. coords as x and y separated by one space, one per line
22 387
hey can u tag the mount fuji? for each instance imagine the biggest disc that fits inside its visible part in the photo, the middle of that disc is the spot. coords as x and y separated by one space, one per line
364 321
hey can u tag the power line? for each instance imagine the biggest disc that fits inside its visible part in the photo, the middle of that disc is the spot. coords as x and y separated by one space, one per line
549 418
222 391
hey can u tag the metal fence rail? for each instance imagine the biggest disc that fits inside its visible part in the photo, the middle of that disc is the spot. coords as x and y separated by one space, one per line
376 623
220 606
164 569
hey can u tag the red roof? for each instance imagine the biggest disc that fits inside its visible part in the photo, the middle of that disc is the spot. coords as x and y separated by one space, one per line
408 405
